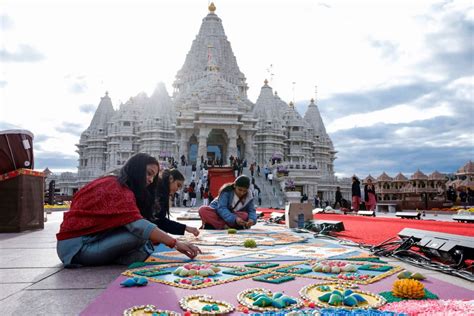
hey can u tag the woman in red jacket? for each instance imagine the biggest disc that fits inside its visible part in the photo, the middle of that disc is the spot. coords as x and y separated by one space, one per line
105 225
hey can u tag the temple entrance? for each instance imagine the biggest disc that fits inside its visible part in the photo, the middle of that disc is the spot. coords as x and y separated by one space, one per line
217 146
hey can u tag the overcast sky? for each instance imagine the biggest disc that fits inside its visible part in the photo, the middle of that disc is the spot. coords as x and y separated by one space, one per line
395 78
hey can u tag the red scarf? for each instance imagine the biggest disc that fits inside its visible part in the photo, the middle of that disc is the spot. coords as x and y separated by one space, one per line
100 205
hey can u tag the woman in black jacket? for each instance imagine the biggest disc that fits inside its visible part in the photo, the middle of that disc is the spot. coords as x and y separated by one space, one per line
356 196
169 183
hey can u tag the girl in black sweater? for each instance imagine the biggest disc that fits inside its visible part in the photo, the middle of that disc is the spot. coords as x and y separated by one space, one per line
170 182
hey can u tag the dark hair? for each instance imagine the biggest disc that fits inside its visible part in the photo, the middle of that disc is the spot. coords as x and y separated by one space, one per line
163 189
230 186
226 187
242 181
133 175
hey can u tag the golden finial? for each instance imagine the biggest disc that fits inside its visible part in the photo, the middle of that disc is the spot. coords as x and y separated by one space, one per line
265 82
312 100
212 7
291 104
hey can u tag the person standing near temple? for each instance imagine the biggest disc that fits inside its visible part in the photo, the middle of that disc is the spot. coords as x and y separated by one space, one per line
451 194
270 177
252 169
463 197
193 170
185 196
370 196
355 194
338 197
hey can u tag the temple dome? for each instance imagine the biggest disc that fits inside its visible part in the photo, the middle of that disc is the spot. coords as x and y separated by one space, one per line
418 175
467 168
437 176
400 177
384 177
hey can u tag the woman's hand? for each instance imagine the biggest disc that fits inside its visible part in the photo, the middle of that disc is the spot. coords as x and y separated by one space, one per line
192 230
249 224
239 221
188 249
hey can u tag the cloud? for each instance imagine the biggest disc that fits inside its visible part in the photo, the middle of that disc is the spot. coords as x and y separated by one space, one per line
87 108
418 140
6 22
5 126
77 84
55 160
3 83
394 115
25 53
324 5
388 49
71 128
443 143
451 45
395 159
78 87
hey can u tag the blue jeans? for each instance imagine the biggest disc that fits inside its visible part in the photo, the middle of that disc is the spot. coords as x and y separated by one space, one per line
123 245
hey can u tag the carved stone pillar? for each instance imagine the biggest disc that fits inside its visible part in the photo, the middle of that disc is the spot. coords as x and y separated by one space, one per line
249 153
183 146
232 147
202 144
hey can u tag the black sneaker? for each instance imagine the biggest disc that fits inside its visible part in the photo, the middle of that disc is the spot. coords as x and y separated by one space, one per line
208 226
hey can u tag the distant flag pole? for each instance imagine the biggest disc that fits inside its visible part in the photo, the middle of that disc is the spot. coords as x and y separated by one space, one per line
294 83
270 73
316 95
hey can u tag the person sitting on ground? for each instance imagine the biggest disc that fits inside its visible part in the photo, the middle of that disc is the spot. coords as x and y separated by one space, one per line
233 207
168 184
105 224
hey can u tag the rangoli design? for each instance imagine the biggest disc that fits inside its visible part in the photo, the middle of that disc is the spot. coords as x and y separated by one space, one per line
201 269
262 265
194 275
262 238
147 310
273 278
338 270
241 271
294 270
205 305
266 301
340 296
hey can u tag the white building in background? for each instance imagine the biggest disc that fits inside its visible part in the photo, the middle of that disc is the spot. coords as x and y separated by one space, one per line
210 115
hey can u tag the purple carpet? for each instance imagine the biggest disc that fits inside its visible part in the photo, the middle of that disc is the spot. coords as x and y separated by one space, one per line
115 299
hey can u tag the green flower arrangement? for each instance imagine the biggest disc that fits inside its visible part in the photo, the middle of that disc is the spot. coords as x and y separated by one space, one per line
250 243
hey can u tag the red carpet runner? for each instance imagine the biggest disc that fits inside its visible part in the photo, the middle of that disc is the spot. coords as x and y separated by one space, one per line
369 230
